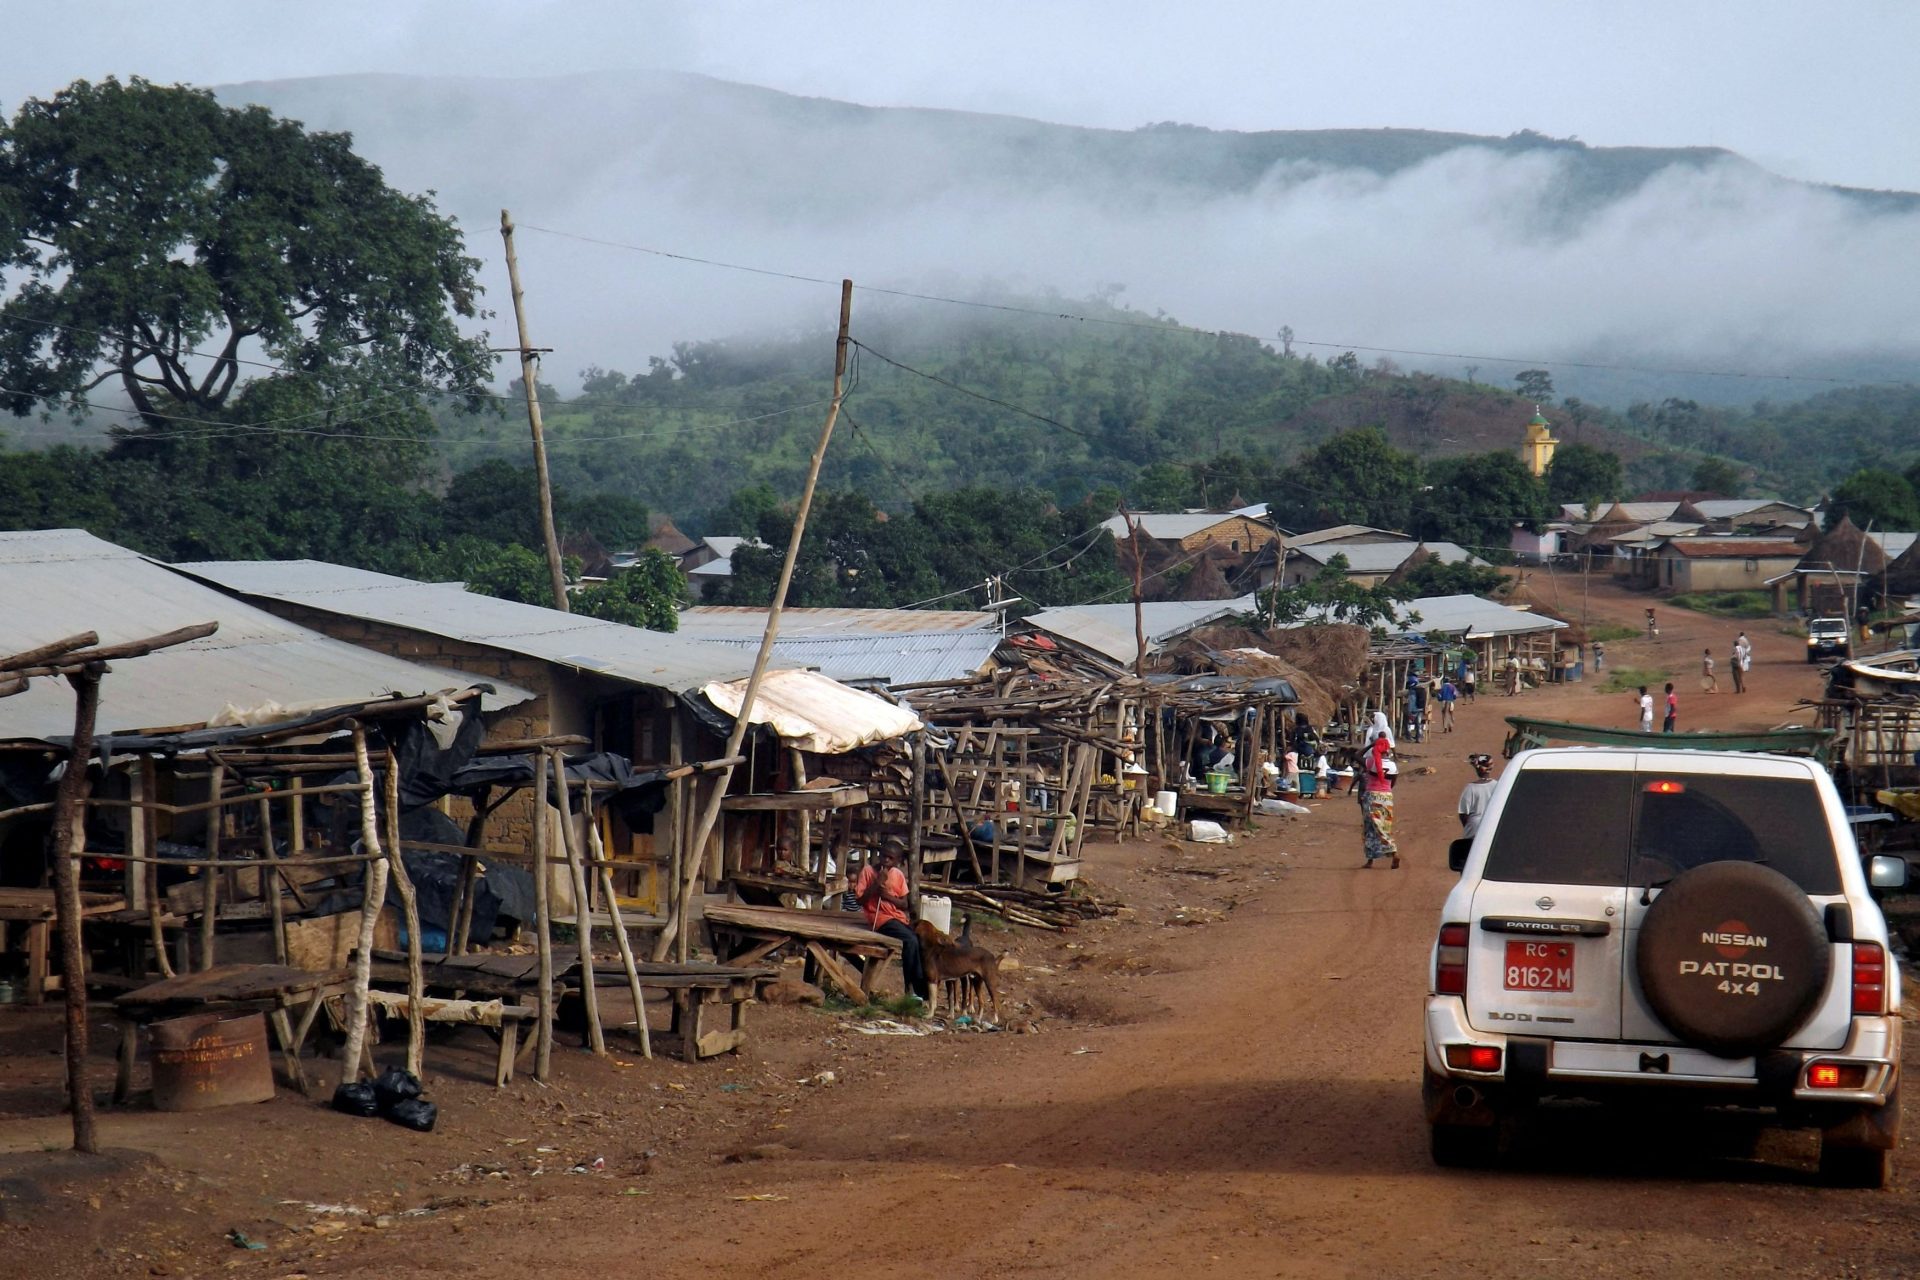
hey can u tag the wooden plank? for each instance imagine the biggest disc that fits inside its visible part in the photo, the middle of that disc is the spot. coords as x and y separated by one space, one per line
227 982
816 925
837 973
796 801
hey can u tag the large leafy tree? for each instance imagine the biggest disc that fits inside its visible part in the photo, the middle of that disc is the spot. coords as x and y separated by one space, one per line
1872 497
1585 474
1476 499
1354 478
160 240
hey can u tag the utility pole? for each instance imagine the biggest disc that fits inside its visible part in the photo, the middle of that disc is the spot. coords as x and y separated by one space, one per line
710 815
1139 624
530 379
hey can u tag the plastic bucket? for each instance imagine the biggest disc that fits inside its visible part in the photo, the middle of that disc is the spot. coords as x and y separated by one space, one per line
1309 784
1217 783
937 911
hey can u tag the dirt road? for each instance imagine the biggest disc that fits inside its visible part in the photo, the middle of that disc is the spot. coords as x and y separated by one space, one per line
1225 1085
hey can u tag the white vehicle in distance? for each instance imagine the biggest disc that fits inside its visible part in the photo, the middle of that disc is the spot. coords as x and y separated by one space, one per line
1828 638
1691 926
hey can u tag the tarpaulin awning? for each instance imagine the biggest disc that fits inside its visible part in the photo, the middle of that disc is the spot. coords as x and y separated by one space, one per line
814 713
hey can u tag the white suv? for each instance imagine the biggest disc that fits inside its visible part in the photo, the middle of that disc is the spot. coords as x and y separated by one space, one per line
1686 924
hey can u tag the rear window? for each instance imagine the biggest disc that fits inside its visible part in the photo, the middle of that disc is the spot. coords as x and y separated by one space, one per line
1563 826
1567 826
1776 822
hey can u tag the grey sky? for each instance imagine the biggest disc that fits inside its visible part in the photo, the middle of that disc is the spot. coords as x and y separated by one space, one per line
1824 92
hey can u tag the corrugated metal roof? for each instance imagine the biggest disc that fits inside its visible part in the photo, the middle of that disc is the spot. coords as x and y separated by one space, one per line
1735 548
894 658
59 582
716 621
1472 615
654 658
1341 533
1894 544
1382 557
1108 628
1167 526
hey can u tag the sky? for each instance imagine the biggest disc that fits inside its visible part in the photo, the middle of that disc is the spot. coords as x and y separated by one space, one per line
1822 92
1437 266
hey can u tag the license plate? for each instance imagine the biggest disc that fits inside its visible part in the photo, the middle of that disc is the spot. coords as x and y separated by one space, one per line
1539 966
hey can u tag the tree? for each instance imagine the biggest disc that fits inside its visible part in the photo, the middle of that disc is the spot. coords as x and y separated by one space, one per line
1354 478
1476 499
1882 499
1461 578
647 595
1332 596
1534 384
152 234
1585 474
1162 486
1717 475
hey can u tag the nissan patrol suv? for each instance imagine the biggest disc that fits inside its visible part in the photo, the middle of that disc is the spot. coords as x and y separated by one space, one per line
1687 926
1829 638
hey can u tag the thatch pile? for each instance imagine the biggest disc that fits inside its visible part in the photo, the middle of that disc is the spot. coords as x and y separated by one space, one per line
1241 654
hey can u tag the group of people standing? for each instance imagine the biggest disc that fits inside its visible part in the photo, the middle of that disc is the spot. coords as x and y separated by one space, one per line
1739 662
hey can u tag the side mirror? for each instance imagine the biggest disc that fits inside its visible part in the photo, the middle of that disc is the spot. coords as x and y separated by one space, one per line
1886 872
1457 854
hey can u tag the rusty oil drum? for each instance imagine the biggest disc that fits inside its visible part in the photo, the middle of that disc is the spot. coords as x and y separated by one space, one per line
208 1060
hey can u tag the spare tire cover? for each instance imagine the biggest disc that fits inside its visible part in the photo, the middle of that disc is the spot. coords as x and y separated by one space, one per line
1732 957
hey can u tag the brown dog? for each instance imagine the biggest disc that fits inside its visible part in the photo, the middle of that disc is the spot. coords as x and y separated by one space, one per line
947 961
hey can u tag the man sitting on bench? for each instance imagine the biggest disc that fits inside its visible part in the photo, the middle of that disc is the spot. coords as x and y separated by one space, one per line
882 892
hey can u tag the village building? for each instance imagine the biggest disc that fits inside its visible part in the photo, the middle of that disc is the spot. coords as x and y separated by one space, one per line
1538 447
1691 563
1368 563
1191 531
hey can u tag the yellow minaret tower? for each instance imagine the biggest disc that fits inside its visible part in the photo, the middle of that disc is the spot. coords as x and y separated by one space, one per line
1537 449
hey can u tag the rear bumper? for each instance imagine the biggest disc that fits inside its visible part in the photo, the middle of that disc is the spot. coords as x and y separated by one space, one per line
1532 1069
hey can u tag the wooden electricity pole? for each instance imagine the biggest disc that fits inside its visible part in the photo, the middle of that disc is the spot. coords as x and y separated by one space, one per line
529 378
1139 622
710 814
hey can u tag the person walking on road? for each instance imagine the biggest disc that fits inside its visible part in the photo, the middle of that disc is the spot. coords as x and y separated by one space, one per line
1733 665
1476 795
1376 803
1448 696
1709 683
1742 662
1468 680
1646 710
1673 710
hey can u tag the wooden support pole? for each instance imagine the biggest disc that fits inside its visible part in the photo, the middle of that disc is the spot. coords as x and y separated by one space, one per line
677 918
916 818
374 894
69 837
542 922
410 908
142 783
530 379
270 882
582 912
620 937
210 875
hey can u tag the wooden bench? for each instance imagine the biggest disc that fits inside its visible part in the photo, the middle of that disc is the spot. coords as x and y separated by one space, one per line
830 940
273 989
497 1016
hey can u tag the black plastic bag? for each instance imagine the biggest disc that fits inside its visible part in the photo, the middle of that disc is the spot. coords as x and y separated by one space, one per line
393 1087
355 1099
415 1113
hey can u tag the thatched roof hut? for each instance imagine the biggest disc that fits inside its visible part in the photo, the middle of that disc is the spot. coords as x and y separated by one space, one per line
1903 575
1239 653
1843 549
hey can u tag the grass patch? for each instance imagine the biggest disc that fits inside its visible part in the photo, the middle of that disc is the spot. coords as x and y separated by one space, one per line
1629 679
908 1006
1727 604
1606 635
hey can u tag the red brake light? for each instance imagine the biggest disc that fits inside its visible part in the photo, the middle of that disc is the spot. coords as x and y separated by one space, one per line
1450 962
1837 1075
1869 978
1824 1075
1665 787
1473 1057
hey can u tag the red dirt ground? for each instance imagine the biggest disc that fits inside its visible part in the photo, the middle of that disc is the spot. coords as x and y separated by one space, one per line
1224 1082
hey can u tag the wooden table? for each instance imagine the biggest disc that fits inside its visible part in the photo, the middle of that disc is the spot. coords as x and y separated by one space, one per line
35 909
744 935
695 990
272 989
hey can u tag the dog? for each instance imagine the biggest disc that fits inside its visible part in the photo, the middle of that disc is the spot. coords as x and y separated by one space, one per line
949 961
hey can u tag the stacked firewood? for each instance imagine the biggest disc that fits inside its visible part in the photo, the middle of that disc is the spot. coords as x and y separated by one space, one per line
1033 908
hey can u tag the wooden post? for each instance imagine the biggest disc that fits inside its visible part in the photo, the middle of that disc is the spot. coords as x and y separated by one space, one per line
620 938
270 881
210 876
916 818
69 839
804 843
542 922
140 834
373 896
530 377
582 915
410 907
677 792
710 815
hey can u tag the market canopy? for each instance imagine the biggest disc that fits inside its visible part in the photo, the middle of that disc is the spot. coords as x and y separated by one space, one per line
809 711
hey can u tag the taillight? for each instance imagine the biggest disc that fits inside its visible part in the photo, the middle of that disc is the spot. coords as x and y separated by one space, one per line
1473 1057
1837 1075
1869 978
1450 962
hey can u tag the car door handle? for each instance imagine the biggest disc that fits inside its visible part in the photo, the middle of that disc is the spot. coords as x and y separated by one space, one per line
1658 1063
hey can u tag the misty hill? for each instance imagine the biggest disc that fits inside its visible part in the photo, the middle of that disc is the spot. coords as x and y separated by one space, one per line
1011 400
1511 251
